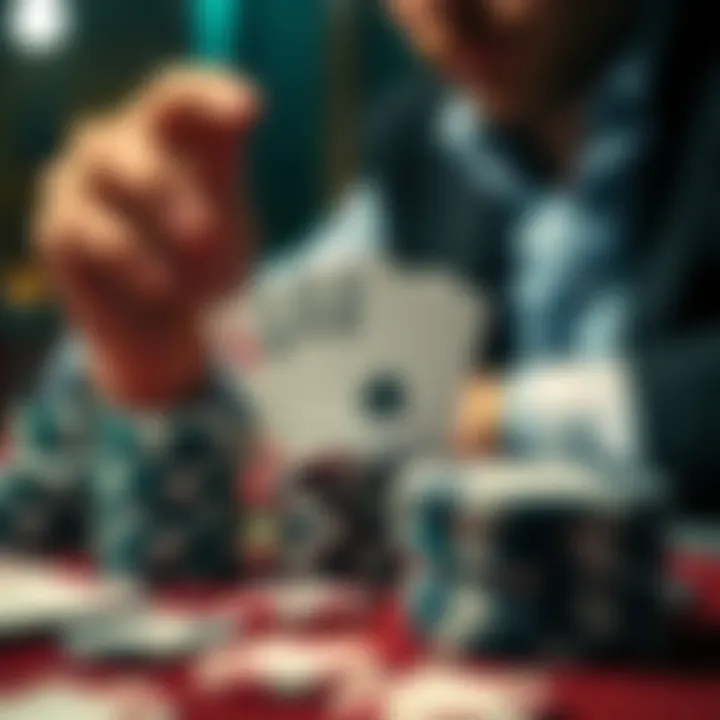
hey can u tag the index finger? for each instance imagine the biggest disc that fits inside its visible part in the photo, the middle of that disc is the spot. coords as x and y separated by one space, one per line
200 99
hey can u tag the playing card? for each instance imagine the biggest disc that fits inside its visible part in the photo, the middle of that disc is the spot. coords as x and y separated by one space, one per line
429 333
276 326
381 354
323 377
352 353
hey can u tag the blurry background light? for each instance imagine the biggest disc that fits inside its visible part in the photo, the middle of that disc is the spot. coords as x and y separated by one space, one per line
39 27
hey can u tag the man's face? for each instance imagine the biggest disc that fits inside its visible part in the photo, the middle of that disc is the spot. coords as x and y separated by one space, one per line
518 57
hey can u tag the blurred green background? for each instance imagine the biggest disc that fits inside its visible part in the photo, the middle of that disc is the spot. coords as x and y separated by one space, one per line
320 61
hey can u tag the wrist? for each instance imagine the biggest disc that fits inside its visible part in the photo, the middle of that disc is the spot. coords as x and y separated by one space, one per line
150 371
479 425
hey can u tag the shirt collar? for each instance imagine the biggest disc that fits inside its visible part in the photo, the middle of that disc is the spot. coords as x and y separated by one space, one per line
619 112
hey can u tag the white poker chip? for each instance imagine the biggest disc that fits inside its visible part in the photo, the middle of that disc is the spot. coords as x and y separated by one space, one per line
60 699
307 601
35 597
282 667
147 634
435 692
289 670
299 604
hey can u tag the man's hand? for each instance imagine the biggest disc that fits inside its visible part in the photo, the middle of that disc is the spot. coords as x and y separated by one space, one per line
141 224
478 420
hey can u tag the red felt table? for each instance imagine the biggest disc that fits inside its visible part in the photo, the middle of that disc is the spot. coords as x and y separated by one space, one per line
688 688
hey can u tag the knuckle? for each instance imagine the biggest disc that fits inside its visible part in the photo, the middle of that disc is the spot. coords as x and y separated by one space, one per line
91 139
56 240
130 168
100 243
142 178
109 244
114 254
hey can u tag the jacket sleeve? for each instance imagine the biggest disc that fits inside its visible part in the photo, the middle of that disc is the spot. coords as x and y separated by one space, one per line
678 400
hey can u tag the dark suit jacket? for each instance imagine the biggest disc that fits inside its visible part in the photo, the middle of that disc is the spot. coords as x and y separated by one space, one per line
437 214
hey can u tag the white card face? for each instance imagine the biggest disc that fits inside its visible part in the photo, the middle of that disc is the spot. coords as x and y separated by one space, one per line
388 375
360 356
431 338
330 362
276 325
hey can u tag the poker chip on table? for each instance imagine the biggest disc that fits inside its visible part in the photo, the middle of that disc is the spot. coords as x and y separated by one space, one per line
61 699
306 604
147 634
37 598
333 520
281 667
432 692
522 558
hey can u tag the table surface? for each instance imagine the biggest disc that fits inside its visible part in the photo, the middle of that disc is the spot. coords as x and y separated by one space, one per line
685 688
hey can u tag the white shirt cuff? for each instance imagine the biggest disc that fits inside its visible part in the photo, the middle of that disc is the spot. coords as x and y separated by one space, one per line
572 409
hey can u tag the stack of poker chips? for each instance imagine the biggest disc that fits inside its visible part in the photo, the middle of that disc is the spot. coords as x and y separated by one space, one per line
521 559
333 521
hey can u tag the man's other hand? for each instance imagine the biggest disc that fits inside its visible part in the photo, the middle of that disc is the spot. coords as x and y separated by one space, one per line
142 223
477 426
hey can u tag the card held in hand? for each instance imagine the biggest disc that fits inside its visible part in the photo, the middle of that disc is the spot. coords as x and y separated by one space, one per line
373 359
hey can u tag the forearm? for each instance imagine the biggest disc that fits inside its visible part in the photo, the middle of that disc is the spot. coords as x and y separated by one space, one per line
155 369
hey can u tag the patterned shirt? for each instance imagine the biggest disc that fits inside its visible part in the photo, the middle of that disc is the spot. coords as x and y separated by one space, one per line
150 493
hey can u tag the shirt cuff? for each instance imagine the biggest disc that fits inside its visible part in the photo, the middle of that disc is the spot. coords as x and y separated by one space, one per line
578 409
